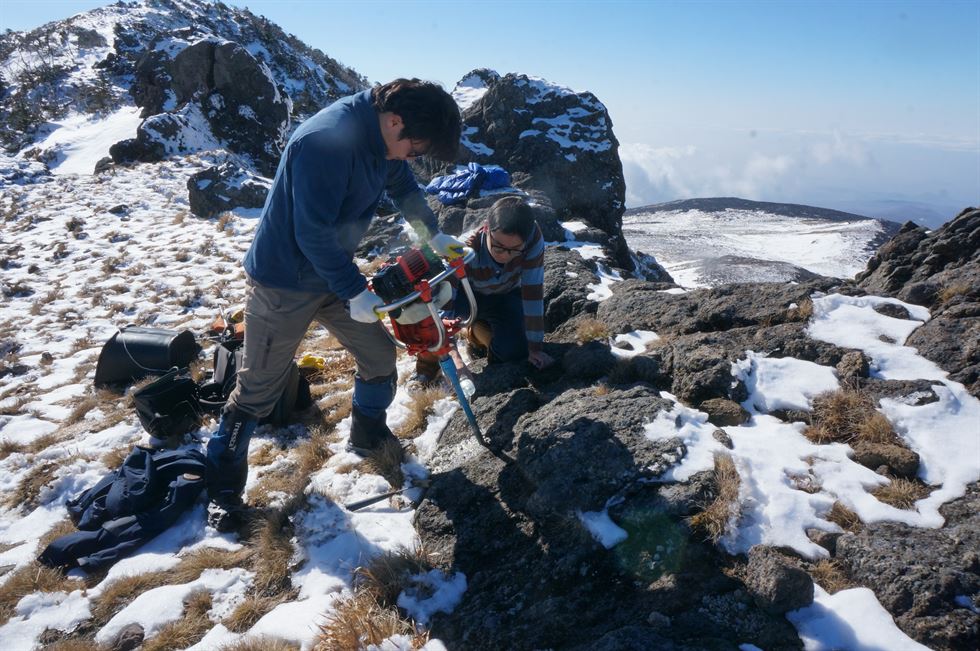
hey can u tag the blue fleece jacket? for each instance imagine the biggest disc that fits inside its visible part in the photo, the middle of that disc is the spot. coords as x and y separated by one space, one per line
327 187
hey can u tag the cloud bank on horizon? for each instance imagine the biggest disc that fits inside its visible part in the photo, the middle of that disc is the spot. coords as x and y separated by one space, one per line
856 173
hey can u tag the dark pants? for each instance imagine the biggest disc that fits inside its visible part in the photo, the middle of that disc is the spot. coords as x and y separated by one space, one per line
504 313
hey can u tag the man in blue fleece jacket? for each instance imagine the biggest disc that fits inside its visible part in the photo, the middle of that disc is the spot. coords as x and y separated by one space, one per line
301 268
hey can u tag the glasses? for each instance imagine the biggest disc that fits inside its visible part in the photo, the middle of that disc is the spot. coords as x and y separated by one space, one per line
414 151
501 249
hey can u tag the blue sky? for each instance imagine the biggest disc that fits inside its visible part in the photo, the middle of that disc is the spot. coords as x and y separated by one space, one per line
840 104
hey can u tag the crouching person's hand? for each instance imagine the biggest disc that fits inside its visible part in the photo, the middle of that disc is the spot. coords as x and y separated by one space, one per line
540 359
363 306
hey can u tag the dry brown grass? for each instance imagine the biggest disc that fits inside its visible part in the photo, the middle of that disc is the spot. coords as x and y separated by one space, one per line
8 447
84 405
272 485
114 458
901 493
830 575
591 329
224 223
877 429
261 643
844 517
949 292
27 493
15 407
846 416
715 518
188 629
27 580
386 460
273 547
384 578
123 590
265 455
803 311
254 608
42 443
75 644
419 411
358 621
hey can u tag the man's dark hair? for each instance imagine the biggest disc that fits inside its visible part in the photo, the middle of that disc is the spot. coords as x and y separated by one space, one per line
427 111
512 215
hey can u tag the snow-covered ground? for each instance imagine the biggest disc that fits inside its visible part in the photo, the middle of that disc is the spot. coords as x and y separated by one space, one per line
689 244
89 254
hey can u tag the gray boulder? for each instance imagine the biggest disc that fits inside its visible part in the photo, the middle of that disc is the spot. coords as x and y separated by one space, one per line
225 187
555 141
777 582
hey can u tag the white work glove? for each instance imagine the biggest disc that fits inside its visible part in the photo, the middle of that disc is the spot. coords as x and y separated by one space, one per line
363 305
446 246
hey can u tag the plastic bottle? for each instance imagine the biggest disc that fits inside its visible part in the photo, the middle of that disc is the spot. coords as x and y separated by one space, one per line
467 386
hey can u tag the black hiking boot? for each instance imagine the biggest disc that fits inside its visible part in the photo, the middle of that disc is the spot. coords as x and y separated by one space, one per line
369 435
229 516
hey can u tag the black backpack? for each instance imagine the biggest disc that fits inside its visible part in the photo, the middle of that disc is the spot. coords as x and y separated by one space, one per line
228 355
169 406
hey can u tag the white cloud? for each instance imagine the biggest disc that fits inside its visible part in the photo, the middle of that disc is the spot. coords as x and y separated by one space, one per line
658 174
652 173
837 149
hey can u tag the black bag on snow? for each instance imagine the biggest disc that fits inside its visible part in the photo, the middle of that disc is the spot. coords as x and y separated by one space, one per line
169 406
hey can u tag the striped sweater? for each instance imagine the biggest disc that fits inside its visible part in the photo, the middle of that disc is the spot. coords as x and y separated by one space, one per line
526 271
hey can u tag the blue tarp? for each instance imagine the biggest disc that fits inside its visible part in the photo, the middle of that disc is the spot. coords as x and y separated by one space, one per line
455 188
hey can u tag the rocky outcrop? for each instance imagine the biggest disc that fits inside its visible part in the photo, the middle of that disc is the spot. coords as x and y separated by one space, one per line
221 82
225 187
245 77
940 270
553 140
928 579
508 518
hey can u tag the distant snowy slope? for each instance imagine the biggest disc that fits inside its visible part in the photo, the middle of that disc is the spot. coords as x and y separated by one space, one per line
78 72
708 242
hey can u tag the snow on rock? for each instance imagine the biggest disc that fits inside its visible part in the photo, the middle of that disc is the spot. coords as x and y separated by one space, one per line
850 619
430 593
945 434
606 532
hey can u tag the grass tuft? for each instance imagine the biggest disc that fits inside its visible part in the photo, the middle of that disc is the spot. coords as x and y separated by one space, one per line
901 493
254 608
844 517
261 643
848 416
358 622
386 460
387 575
419 411
830 575
188 629
31 578
591 329
716 517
